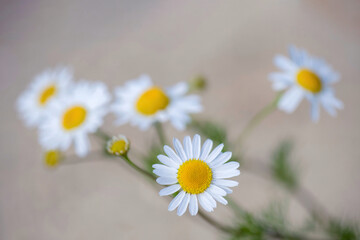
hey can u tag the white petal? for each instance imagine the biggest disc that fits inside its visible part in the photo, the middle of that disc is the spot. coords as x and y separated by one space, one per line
183 205
196 146
81 145
193 205
166 180
169 190
176 201
206 148
219 198
226 174
188 147
179 149
227 166
315 109
225 183
284 63
168 150
281 80
210 199
216 190
227 190
291 99
168 161
221 159
165 173
205 204
214 153
165 168
179 89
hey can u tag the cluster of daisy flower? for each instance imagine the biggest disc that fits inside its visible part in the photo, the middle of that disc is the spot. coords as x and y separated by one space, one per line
67 111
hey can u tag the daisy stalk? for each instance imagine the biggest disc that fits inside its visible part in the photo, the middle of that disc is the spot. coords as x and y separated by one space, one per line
258 118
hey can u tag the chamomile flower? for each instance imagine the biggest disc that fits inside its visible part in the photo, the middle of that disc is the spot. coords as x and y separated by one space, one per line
45 87
307 77
142 103
197 173
73 115
118 145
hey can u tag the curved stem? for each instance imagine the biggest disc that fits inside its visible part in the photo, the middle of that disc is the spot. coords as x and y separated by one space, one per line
102 134
257 119
138 169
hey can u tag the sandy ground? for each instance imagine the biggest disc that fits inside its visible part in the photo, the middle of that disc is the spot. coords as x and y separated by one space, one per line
232 43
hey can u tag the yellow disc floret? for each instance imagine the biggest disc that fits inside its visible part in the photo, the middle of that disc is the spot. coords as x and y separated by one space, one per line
194 176
118 145
46 94
309 80
152 101
74 117
52 158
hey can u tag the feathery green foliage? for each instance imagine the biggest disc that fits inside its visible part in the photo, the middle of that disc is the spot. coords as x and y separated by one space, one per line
210 130
281 167
343 230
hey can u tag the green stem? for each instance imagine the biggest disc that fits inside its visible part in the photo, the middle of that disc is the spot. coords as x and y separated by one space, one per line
103 135
160 133
138 169
258 118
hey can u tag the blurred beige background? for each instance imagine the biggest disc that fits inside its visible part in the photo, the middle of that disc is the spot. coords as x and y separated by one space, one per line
230 42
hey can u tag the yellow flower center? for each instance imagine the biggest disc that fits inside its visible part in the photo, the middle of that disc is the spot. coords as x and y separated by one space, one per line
309 80
194 176
46 94
52 158
74 117
119 147
151 101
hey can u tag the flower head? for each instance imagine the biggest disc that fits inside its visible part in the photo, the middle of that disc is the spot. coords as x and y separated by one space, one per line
46 86
141 103
305 76
198 173
118 145
52 158
73 115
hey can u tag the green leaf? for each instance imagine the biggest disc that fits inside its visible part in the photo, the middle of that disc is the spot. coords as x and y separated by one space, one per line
281 167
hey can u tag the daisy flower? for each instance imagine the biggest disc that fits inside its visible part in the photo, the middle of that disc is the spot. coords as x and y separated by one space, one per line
142 103
47 85
305 76
118 145
198 173
73 115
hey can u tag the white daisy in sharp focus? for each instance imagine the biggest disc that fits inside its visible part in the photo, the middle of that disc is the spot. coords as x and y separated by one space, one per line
45 87
198 173
73 115
142 103
307 77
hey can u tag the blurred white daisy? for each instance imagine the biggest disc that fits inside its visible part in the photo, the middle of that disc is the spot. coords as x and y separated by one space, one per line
47 85
73 115
141 103
199 175
305 76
